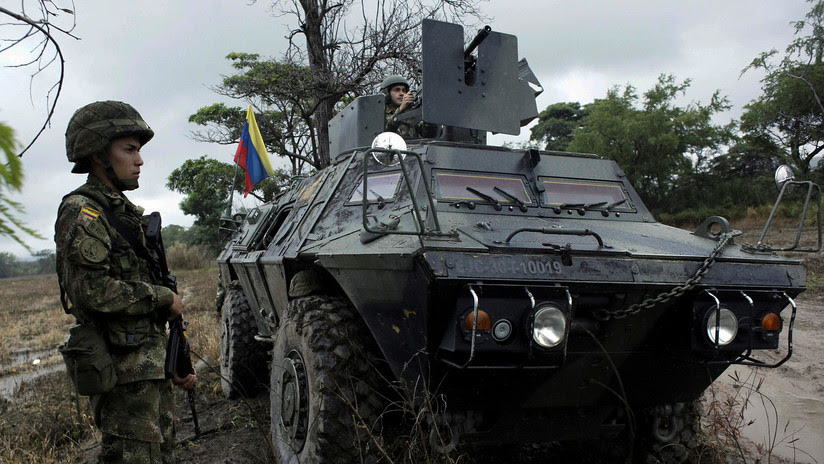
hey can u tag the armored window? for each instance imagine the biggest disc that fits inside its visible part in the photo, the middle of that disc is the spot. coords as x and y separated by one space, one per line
585 192
380 186
454 186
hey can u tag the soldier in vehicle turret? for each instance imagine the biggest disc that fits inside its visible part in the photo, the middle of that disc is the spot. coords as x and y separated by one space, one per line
398 100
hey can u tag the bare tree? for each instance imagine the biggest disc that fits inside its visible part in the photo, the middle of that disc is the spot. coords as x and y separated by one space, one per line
33 29
349 45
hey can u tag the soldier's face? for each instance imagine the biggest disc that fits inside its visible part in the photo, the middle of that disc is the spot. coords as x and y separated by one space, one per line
124 155
397 92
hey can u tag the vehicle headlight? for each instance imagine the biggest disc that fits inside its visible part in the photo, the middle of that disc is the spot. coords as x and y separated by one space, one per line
726 326
549 327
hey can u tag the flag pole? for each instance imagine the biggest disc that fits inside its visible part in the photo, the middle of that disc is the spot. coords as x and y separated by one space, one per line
227 214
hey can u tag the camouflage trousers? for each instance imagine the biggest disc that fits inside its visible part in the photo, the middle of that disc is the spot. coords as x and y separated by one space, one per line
137 423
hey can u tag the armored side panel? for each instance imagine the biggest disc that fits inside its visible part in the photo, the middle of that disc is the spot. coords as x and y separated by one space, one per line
499 101
357 124
247 246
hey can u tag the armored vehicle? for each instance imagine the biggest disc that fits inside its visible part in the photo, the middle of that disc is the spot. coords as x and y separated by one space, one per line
514 296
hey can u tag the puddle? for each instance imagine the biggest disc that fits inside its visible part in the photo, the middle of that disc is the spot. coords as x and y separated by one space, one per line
793 425
21 358
10 383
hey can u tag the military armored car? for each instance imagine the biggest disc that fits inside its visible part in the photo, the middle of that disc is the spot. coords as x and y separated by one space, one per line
530 292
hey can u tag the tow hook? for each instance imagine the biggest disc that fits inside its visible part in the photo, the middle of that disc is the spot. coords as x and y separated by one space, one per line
667 422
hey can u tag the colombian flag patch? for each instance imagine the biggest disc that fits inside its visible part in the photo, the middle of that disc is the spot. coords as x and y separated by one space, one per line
89 212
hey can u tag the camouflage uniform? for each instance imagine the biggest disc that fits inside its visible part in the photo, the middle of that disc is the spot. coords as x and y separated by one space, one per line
110 287
404 128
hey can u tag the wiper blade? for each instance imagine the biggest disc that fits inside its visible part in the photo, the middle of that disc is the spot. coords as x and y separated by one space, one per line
512 197
595 205
617 203
381 201
486 197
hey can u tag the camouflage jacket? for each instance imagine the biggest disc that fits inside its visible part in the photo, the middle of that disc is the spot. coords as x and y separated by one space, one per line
404 128
108 284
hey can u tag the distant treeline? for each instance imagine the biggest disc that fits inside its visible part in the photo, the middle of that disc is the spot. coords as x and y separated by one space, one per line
11 266
180 252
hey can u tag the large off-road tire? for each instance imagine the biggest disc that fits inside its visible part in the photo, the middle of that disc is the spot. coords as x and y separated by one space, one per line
681 431
243 360
323 406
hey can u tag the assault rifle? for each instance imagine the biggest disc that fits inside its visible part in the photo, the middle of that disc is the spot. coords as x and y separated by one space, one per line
178 356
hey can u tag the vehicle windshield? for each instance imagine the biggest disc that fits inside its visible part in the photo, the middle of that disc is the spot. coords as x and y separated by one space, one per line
452 186
382 187
560 192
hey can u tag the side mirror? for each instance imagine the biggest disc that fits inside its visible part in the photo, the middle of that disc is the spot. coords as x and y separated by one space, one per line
783 175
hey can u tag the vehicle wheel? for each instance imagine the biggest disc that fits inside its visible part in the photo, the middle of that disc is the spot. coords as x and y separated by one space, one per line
323 380
668 439
243 359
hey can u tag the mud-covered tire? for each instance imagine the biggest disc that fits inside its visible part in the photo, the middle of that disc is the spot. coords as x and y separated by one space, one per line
243 360
322 379
675 450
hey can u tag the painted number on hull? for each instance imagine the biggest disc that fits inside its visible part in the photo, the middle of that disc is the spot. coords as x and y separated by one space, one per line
531 267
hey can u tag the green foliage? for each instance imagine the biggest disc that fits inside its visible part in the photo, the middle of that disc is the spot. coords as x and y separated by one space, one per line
11 178
279 95
657 143
46 262
173 234
557 125
786 120
207 184
10 266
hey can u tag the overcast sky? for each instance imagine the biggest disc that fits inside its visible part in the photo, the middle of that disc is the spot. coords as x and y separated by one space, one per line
162 56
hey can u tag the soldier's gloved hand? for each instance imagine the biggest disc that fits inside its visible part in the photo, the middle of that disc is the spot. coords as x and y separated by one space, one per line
187 383
176 308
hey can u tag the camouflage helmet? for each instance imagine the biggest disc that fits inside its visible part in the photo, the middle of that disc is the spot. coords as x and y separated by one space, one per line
390 81
93 126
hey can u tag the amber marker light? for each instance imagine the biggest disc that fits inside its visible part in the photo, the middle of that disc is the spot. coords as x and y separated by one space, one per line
771 321
484 321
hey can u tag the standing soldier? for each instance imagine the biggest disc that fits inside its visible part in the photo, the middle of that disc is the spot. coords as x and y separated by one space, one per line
105 269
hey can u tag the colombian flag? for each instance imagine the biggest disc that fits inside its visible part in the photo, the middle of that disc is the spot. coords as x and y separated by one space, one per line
251 154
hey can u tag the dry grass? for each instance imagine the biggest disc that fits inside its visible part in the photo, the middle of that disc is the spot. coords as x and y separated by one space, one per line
44 423
189 257
31 320
198 290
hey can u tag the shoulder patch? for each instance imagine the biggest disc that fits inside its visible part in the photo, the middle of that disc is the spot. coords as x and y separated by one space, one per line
93 250
96 229
89 212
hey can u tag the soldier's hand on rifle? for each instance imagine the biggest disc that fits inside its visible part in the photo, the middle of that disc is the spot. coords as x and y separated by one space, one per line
408 99
187 383
176 308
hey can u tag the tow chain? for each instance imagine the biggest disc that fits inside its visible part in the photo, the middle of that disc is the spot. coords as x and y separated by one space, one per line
649 303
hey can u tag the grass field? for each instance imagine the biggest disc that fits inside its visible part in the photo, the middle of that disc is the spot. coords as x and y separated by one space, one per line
47 423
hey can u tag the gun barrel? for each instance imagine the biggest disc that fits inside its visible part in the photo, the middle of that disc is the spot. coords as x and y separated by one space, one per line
482 34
